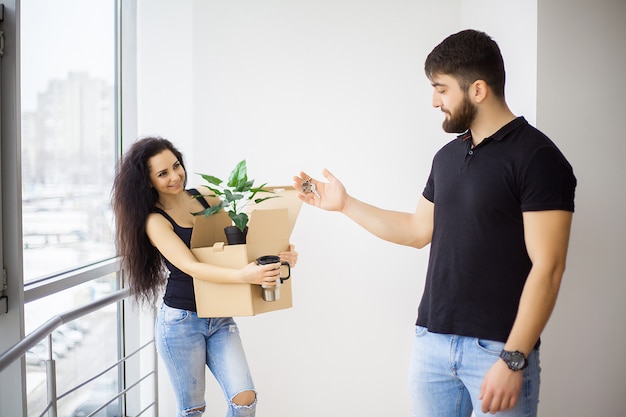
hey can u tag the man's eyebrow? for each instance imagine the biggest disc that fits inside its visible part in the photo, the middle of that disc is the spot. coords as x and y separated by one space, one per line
435 84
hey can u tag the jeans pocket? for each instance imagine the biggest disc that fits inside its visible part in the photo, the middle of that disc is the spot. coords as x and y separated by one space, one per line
491 347
420 331
172 315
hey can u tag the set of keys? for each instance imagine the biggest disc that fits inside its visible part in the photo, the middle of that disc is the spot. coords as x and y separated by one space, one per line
309 187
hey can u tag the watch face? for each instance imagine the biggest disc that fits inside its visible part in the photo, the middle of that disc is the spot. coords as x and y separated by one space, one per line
514 360
517 361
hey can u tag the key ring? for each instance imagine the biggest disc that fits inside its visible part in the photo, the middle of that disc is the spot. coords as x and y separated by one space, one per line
309 187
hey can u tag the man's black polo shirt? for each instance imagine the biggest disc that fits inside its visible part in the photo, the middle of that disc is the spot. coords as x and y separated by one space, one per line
478 260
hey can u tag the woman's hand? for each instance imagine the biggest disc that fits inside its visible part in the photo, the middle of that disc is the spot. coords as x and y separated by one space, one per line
269 273
290 256
261 274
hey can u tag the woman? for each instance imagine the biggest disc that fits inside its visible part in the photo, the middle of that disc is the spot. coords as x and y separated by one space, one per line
154 223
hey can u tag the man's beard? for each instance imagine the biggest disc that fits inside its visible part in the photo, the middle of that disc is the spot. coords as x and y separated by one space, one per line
462 118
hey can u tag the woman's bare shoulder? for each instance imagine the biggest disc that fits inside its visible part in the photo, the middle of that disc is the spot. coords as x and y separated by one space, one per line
157 220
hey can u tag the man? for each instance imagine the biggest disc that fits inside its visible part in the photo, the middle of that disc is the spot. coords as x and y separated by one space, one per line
496 211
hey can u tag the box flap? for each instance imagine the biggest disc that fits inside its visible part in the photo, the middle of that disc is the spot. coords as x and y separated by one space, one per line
288 198
208 230
268 232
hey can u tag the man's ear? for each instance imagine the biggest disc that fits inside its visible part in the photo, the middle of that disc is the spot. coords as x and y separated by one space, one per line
478 91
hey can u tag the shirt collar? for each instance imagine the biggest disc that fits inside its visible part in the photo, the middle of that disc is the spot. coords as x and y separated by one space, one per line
501 133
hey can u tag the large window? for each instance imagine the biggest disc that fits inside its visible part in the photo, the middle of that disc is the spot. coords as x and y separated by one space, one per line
68 133
68 141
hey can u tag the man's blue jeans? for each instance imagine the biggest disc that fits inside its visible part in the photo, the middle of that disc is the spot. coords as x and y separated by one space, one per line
187 344
446 373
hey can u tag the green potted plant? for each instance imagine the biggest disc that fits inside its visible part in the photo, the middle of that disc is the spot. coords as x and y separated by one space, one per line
234 196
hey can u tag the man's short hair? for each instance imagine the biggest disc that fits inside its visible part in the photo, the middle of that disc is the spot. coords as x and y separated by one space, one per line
468 56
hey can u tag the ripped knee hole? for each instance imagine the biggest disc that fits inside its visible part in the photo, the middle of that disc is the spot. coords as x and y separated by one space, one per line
244 398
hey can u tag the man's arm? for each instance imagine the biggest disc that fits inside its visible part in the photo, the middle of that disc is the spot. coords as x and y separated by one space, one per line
547 236
409 229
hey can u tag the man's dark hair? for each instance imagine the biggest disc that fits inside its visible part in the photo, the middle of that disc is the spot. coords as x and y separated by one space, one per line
468 56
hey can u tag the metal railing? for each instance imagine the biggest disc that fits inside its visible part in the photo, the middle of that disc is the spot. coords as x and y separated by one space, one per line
45 330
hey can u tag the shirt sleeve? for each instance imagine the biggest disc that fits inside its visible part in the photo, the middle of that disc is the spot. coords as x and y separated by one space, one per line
548 182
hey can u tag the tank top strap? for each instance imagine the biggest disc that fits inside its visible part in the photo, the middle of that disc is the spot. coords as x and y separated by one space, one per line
202 200
164 214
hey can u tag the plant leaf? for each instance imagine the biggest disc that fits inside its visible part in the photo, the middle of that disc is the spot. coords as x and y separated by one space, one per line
217 191
259 200
211 179
239 219
230 196
238 176
211 210
259 189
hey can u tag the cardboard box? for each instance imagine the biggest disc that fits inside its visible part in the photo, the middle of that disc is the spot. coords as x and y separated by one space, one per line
269 230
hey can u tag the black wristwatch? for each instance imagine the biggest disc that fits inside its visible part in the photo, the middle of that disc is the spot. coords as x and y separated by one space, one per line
516 361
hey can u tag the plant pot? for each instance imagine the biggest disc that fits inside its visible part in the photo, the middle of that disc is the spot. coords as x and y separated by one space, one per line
234 236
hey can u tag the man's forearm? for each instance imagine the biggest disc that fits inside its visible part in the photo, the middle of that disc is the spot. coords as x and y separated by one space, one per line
393 226
535 308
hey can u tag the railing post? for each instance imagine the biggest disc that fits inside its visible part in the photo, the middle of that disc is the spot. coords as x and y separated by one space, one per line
156 379
51 380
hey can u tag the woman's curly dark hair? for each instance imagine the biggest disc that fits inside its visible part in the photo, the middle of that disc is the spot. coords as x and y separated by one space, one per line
133 198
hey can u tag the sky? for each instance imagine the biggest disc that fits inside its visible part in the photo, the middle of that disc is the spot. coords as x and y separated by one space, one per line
62 36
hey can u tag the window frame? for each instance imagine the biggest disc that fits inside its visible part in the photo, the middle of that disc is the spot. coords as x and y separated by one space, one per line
12 323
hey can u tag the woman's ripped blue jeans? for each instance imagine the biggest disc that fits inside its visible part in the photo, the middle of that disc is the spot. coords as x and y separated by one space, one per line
187 344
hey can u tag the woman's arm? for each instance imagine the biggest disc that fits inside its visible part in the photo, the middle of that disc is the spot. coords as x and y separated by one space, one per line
162 235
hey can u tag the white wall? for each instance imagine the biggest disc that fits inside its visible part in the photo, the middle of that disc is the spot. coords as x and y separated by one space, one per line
307 85
164 80
313 84
513 24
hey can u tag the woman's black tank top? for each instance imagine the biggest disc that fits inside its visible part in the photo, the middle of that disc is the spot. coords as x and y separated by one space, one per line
179 291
